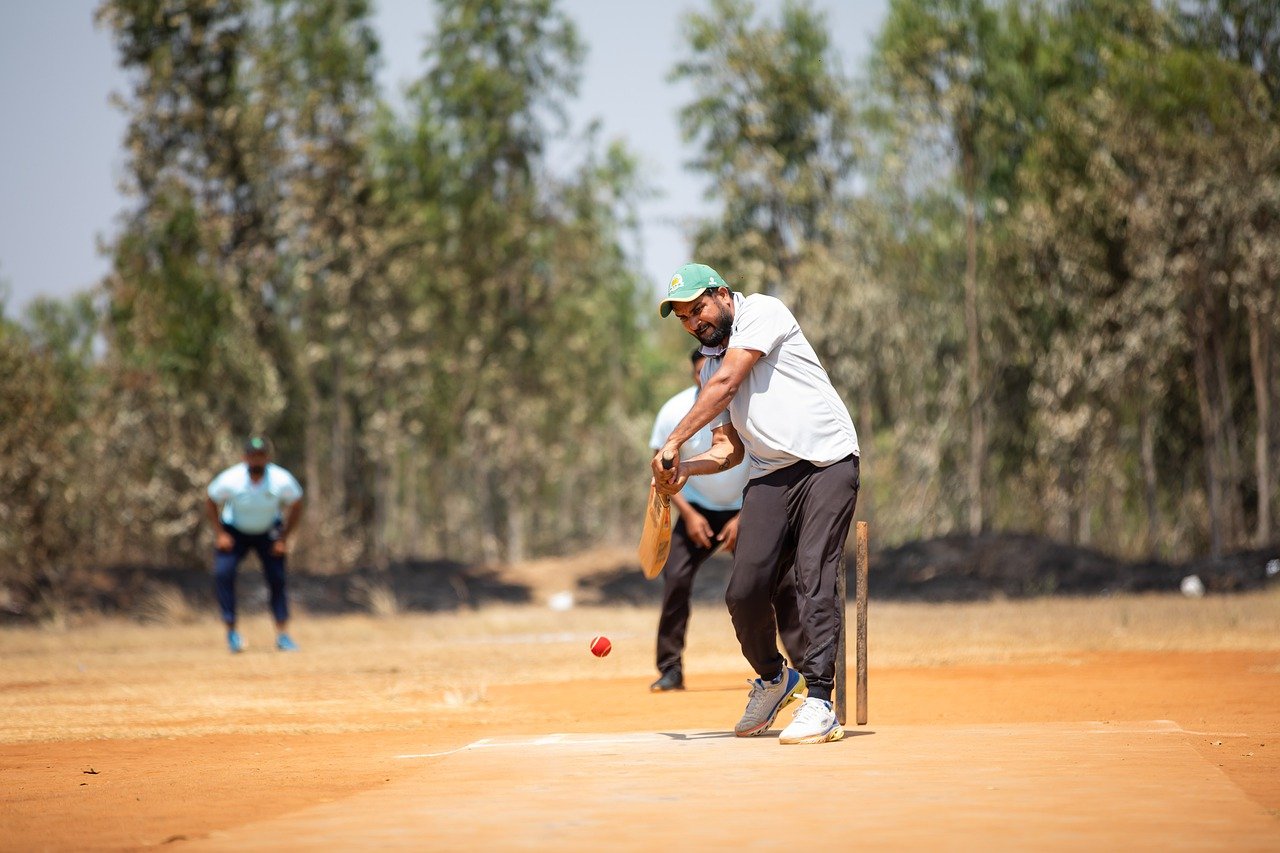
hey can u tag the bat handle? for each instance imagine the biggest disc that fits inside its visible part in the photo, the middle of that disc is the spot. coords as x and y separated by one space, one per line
667 461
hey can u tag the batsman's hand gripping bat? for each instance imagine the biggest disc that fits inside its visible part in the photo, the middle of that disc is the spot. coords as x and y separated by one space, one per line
655 540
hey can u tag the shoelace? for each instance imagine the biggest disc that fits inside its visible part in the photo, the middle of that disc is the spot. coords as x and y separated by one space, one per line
812 712
759 691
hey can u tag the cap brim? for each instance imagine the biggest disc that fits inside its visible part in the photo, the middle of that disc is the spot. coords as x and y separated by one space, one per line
664 307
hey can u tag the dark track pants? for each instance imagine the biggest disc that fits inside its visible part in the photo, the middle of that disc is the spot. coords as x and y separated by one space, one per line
678 572
225 564
794 518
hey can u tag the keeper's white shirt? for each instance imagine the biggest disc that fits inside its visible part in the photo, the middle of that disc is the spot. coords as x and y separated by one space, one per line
721 490
254 507
786 410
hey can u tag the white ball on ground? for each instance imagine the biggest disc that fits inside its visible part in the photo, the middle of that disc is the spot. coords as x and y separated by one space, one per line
561 601
1192 586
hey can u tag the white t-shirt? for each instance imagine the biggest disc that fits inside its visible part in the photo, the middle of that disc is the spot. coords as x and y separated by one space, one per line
722 490
786 410
254 507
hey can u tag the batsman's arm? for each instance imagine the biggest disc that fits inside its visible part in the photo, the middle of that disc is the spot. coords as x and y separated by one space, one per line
715 396
726 451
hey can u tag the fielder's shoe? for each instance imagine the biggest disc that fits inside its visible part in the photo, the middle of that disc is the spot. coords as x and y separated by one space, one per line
766 700
235 642
285 644
672 679
814 722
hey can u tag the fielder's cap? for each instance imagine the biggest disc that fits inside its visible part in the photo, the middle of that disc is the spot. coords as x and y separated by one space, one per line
688 283
257 444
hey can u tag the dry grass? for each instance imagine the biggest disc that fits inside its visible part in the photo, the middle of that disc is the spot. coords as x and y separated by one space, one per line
113 678
167 606
379 599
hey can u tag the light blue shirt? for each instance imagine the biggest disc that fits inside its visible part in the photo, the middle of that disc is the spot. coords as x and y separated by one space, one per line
254 507
720 491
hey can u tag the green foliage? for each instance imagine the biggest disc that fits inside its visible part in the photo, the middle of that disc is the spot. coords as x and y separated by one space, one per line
772 122
1038 255
439 332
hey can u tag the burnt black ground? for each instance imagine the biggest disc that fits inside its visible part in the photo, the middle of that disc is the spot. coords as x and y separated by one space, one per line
951 568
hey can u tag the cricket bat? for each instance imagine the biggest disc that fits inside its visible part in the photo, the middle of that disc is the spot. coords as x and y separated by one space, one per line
655 539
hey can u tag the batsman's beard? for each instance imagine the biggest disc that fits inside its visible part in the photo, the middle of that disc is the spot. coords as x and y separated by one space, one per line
715 336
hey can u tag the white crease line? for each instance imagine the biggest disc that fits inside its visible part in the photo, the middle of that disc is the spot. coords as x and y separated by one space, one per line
1166 727
1151 727
434 754
545 740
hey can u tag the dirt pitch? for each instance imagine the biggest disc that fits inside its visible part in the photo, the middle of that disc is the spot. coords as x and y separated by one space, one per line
1143 721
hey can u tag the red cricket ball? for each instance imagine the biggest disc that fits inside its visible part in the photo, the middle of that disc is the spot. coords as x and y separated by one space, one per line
600 646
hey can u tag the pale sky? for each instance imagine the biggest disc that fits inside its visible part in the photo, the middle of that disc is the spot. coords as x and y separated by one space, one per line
60 140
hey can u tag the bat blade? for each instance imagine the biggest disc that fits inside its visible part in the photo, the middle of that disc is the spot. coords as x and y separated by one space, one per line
655 539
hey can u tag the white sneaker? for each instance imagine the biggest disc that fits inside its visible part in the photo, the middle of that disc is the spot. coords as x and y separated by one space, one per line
814 722
766 700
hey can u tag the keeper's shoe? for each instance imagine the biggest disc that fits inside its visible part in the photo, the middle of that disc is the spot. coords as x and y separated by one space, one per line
766 700
814 722
285 643
235 642
672 679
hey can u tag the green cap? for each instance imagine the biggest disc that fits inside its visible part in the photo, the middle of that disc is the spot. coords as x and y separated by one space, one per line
257 444
689 282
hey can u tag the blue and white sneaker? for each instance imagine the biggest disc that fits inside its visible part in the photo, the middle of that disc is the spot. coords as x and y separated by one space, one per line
766 700
235 642
814 722
285 644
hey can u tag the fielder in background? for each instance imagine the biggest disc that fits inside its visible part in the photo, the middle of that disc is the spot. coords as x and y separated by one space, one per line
254 506
708 509
768 400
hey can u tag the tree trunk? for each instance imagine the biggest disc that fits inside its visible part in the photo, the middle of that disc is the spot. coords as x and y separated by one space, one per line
411 510
1149 480
340 497
1083 501
977 425
1209 429
316 493
1234 475
1260 365
516 548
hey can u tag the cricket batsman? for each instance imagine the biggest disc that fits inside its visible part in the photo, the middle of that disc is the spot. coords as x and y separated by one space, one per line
771 405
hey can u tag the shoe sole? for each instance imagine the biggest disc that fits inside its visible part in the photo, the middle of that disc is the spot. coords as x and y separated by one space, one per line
665 689
834 734
786 700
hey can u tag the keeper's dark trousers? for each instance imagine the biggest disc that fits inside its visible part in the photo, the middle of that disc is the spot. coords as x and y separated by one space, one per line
225 564
796 517
678 572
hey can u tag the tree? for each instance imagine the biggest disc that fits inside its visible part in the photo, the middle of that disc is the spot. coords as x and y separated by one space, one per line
773 126
195 327
1247 33
518 278
45 378
949 61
